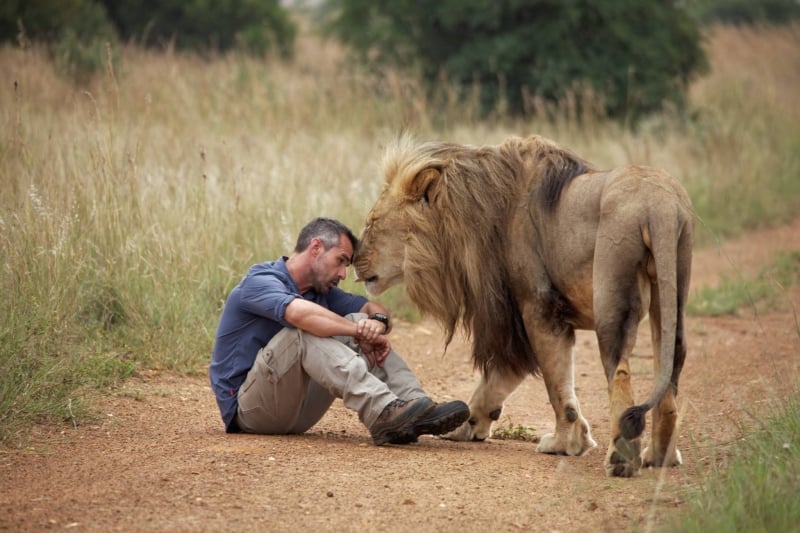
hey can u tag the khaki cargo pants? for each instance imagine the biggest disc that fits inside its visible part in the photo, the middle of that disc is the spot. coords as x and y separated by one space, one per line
297 376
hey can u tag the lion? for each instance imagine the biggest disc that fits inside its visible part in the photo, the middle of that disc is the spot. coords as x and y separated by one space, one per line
524 242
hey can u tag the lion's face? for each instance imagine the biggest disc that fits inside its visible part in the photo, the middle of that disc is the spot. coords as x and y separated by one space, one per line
405 209
380 255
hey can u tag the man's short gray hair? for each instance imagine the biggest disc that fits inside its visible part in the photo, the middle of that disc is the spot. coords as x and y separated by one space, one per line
328 230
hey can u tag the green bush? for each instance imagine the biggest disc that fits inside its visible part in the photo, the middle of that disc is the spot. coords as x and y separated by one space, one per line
258 26
635 55
77 32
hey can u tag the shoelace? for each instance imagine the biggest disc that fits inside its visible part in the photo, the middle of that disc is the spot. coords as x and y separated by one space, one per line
397 403
394 404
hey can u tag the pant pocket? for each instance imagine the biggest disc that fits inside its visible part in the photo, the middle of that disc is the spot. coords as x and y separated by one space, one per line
280 355
272 393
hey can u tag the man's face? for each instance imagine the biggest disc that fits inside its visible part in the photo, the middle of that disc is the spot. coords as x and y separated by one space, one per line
330 266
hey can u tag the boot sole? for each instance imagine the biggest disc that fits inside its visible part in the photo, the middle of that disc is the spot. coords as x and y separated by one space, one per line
443 423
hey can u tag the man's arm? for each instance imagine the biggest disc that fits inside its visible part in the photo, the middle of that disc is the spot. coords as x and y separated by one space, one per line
322 322
317 320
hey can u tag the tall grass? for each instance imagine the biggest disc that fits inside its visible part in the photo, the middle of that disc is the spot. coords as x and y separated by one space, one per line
745 143
129 207
758 489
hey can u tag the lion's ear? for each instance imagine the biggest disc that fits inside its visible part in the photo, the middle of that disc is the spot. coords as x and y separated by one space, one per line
425 185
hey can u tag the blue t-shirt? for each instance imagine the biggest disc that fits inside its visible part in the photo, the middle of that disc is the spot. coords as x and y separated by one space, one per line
253 314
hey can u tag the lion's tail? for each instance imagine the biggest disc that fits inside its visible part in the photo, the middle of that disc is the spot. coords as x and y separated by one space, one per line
671 248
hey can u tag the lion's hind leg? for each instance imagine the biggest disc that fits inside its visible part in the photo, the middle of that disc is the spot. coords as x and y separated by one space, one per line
486 404
623 458
662 450
618 308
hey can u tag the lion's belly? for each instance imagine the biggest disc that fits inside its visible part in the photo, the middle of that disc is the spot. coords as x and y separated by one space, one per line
559 292
579 295
564 301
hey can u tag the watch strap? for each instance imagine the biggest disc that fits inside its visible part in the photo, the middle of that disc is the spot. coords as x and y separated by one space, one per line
380 317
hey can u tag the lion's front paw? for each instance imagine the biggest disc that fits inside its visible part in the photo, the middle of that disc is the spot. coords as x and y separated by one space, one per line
570 439
470 431
547 444
649 459
462 432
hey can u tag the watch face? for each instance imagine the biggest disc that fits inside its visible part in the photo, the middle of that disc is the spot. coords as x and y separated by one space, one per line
381 318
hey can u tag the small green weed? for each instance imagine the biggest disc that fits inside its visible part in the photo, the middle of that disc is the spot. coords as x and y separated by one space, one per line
510 431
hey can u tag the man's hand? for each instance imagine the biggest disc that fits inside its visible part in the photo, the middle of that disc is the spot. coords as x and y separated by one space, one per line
375 350
369 329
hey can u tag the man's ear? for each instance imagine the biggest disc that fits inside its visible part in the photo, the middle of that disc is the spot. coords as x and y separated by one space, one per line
425 186
316 246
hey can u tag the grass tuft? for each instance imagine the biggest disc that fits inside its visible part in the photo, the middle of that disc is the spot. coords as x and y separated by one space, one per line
511 431
759 294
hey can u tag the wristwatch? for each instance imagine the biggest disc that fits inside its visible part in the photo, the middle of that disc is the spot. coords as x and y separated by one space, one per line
380 317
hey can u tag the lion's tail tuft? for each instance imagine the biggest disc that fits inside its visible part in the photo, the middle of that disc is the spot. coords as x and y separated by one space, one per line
632 421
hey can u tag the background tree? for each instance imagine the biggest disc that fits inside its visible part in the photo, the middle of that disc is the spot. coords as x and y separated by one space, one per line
637 55
77 32
258 26
744 11
48 20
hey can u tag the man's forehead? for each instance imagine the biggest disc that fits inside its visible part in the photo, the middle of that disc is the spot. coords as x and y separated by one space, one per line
345 247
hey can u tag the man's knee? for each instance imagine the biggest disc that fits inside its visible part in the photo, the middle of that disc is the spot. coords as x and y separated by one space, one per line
285 340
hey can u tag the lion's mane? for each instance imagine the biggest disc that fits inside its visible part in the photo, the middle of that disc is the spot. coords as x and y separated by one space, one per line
455 262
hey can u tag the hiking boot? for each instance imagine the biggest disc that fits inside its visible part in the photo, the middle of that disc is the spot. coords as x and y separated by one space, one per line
396 421
443 418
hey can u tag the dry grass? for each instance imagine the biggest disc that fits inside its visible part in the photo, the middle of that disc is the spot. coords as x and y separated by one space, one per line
129 207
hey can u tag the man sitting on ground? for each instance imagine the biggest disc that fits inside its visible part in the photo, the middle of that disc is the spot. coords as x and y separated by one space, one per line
290 341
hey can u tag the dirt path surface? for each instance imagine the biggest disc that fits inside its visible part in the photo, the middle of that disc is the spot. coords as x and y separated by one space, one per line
158 459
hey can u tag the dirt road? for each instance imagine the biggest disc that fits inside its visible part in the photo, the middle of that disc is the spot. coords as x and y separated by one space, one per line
157 458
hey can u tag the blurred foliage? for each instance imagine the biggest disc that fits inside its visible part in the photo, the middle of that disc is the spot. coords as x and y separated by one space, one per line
635 55
744 11
257 26
48 20
79 32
